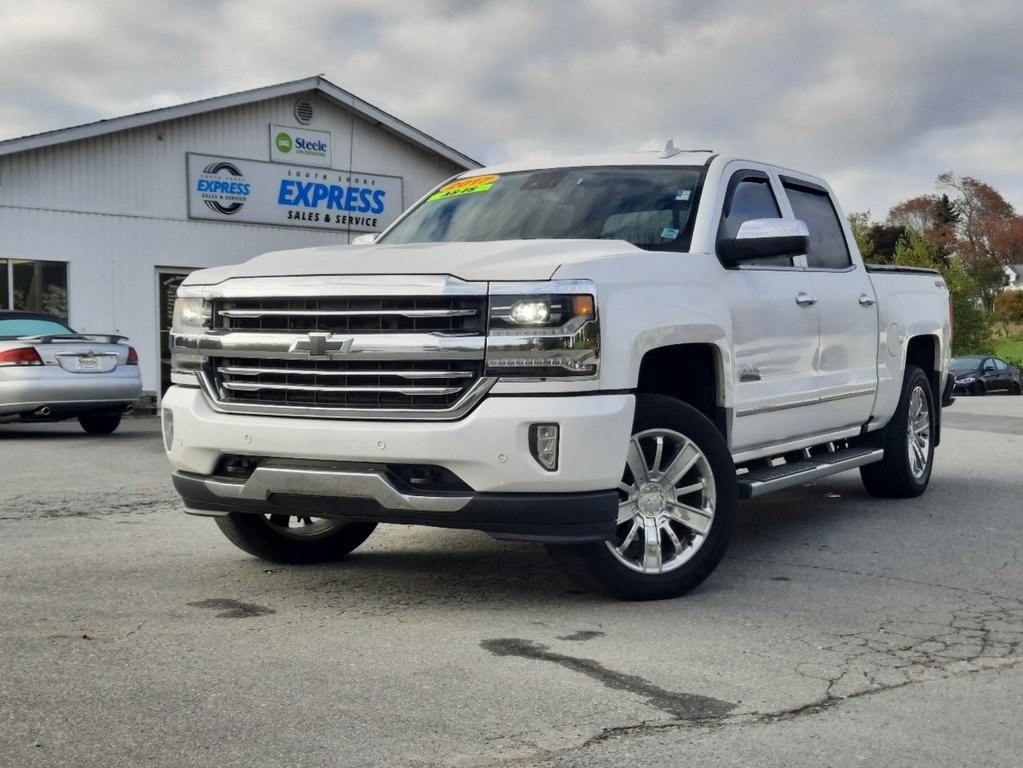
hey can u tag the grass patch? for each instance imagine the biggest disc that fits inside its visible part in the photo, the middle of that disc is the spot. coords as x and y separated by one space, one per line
1009 349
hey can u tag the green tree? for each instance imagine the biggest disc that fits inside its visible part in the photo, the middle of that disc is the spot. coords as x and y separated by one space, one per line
885 237
915 250
933 216
972 322
859 223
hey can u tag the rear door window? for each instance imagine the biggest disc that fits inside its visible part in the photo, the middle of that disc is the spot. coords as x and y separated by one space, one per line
828 247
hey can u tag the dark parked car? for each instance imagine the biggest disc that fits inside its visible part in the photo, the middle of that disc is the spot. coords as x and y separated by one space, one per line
48 372
980 374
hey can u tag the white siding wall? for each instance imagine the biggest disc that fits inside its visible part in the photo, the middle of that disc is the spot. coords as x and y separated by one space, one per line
115 206
141 172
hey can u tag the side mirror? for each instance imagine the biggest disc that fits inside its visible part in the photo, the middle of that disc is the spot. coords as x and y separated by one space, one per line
367 239
765 239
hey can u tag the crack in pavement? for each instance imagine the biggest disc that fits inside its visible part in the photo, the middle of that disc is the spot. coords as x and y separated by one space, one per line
929 644
924 646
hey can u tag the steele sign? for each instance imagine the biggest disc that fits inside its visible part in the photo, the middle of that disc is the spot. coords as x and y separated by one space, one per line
299 146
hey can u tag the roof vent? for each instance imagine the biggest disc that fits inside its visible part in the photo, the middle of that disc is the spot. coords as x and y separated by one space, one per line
303 112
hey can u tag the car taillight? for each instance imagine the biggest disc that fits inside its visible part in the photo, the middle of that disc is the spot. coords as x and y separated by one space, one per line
21 356
133 357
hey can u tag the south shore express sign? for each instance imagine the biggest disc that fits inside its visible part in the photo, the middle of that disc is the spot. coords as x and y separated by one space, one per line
255 192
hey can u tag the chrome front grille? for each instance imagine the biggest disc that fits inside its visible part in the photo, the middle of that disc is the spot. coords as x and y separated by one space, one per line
358 384
455 315
357 356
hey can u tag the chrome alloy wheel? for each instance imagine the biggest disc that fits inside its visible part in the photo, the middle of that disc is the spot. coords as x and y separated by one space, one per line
666 502
298 527
918 433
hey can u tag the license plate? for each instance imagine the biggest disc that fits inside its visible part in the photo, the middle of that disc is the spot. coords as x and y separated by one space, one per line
86 363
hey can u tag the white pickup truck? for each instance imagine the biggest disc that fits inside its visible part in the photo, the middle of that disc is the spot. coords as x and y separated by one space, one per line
602 354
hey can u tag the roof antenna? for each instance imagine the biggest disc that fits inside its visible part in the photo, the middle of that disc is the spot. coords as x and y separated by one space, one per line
669 150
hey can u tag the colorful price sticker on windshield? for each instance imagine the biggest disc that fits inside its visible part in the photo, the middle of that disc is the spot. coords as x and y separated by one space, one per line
464 187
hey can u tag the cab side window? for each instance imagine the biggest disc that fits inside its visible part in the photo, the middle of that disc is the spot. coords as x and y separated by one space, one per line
828 248
749 196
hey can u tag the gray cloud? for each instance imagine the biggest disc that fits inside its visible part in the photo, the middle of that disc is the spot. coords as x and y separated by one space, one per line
879 97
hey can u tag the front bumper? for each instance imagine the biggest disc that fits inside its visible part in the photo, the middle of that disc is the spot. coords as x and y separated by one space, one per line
552 518
334 468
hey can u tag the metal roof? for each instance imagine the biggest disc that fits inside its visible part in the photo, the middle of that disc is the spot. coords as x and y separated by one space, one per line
318 84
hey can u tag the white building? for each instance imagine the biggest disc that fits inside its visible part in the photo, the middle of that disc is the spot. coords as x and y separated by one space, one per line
1014 274
99 223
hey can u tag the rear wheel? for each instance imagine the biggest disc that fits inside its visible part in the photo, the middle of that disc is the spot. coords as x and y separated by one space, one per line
905 470
677 502
293 539
99 423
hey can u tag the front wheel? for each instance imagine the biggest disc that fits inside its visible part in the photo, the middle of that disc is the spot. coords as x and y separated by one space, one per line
291 539
905 470
677 501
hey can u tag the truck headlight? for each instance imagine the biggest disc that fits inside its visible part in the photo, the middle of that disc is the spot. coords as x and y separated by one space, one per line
542 330
192 314
511 315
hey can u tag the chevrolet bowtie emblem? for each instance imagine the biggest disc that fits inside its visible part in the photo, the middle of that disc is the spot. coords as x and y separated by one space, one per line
320 345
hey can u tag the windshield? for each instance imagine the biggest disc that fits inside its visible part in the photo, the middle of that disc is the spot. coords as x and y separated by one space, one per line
965 363
13 328
652 208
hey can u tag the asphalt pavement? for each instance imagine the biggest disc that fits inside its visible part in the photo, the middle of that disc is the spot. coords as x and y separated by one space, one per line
840 630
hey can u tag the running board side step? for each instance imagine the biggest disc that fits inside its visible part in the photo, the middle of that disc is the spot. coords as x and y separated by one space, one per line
760 481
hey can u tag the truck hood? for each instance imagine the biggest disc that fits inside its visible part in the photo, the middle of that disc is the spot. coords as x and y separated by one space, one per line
499 260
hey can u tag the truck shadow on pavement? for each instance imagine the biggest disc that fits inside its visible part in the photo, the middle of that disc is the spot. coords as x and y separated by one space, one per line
808 525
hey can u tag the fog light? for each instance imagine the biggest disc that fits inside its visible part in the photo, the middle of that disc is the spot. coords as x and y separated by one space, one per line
168 427
543 444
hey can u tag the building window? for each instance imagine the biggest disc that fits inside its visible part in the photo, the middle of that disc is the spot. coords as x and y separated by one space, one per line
36 286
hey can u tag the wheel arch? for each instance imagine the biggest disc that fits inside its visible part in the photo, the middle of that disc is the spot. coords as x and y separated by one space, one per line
924 353
691 373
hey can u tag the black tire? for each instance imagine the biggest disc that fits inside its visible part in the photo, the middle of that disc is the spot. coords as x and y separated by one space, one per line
678 467
99 423
293 540
908 443
979 390
1016 389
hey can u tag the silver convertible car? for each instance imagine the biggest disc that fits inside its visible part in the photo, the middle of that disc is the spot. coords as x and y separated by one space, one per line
50 373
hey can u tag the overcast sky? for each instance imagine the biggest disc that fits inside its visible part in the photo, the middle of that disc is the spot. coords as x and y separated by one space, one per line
877 97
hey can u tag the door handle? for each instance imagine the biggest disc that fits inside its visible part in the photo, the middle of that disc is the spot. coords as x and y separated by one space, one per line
804 299
867 301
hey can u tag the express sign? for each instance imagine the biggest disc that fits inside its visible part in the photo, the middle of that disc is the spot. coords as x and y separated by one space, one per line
254 192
